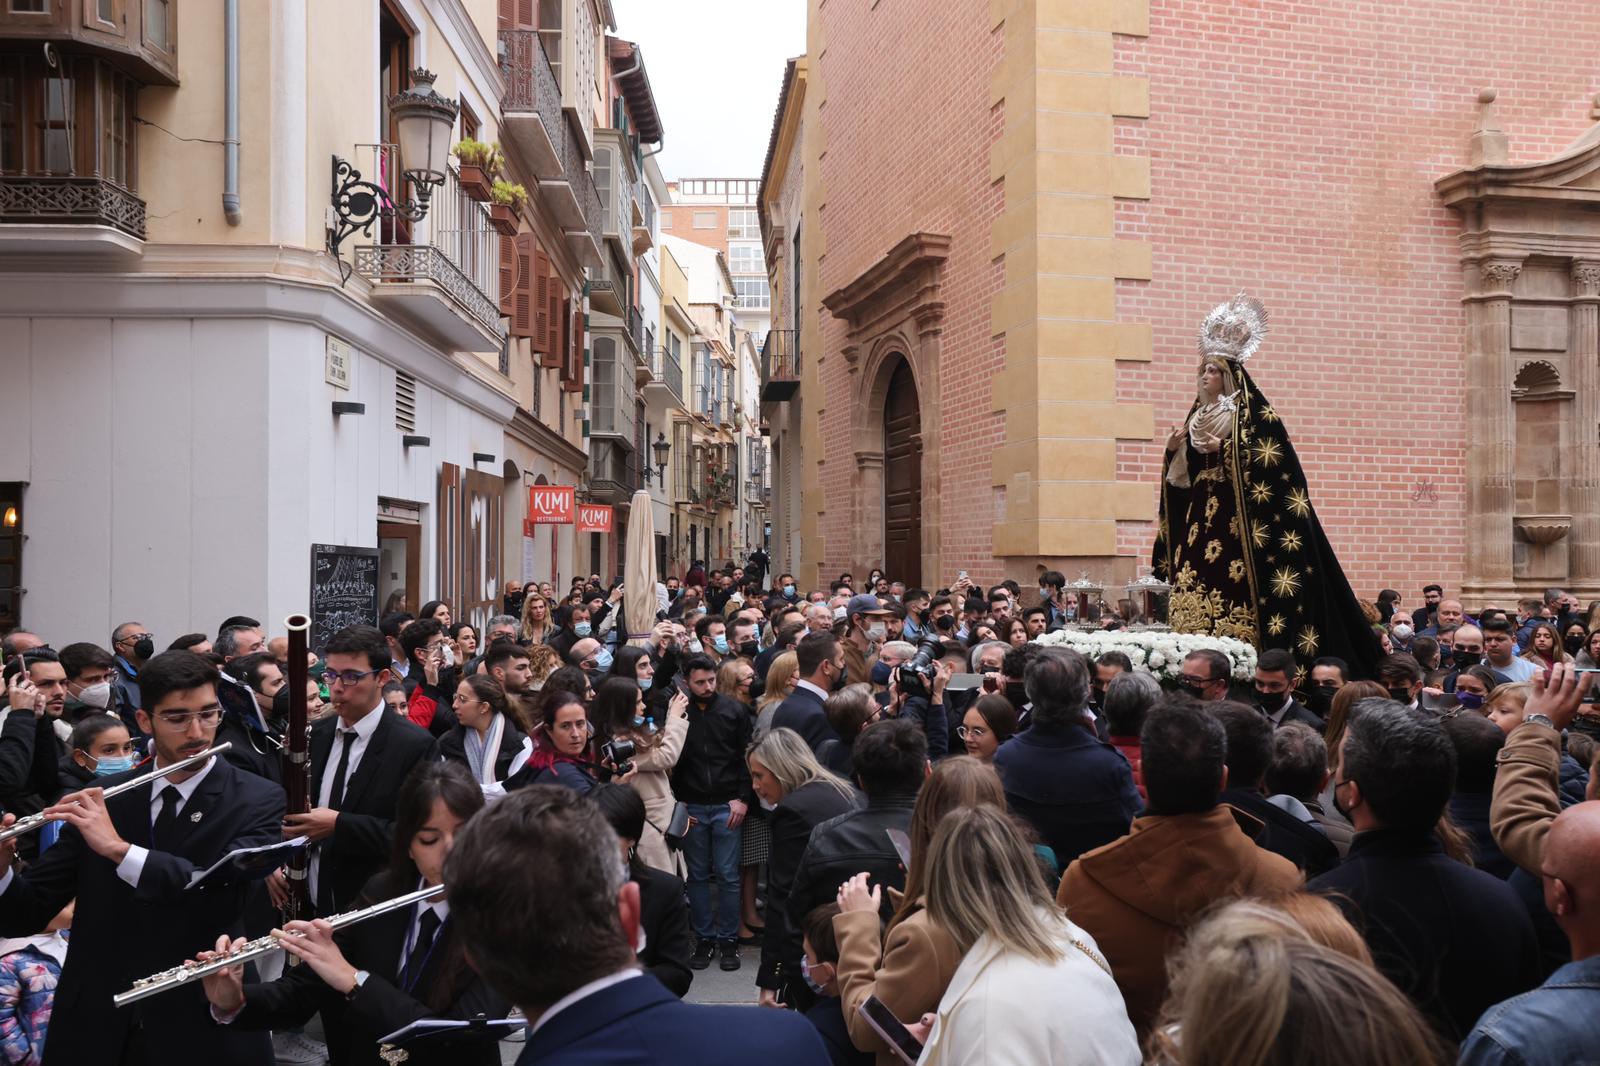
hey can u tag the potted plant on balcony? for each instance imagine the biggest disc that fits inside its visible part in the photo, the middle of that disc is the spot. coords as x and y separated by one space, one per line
505 200
479 164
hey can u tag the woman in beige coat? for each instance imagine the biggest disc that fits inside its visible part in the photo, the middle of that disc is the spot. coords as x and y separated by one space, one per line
910 965
619 713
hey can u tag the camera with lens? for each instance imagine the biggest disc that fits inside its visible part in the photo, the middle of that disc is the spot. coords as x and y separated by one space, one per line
915 676
619 753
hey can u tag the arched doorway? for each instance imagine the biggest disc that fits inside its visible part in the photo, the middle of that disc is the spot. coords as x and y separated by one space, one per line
902 478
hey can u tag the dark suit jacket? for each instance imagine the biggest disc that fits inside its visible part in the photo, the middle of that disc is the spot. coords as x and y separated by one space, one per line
1305 845
802 712
1071 786
792 821
121 933
453 747
1299 712
1454 939
360 842
381 1006
639 1023
252 752
664 916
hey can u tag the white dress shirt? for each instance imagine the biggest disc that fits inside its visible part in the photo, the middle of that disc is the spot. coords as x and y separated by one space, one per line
363 730
814 688
132 864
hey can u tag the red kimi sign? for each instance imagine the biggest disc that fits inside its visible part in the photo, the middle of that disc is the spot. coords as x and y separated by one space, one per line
550 505
594 518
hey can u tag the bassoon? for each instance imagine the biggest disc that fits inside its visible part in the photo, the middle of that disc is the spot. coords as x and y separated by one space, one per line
297 762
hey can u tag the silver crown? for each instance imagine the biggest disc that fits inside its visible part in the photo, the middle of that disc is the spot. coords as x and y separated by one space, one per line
1234 330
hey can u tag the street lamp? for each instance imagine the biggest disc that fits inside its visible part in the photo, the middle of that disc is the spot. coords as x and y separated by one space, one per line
661 448
423 121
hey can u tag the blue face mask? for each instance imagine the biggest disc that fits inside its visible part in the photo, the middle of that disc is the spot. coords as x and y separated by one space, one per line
721 644
1470 700
638 720
789 592
602 660
644 683
108 765
880 673
581 628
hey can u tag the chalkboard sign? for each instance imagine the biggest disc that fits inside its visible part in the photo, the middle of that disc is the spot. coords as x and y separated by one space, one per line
344 590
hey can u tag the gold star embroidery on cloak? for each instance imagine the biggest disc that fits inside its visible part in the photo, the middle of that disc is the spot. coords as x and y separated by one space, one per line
1299 677
1275 625
1268 414
1299 503
1213 551
1259 534
1291 541
1267 453
1260 493
1236 570
1285 582
1194 531
1307 644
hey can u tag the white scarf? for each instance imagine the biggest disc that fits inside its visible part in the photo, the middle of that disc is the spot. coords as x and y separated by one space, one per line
484 751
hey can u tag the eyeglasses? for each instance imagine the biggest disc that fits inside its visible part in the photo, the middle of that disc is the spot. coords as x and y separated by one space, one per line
976 732
134 638
181 719
346 677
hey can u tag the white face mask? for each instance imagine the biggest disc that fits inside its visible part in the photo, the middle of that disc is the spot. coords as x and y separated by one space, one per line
97 695
878 634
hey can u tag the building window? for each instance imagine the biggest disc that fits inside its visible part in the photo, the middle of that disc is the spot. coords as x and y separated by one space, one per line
742 222
752 292
158 24
28 7
74 120
705 220
745 259
107 10
666 220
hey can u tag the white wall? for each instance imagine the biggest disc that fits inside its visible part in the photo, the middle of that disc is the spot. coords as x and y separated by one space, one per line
179 469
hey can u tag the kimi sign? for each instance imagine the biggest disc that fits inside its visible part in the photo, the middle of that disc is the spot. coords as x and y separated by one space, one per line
550 505
594 518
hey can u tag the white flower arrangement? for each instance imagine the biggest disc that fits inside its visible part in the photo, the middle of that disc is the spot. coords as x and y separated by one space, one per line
1156 652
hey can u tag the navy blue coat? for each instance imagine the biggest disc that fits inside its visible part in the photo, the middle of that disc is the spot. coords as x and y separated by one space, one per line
1071 786
638 1022
1454 939
802 712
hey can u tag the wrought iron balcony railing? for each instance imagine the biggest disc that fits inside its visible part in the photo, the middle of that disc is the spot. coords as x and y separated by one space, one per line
72 201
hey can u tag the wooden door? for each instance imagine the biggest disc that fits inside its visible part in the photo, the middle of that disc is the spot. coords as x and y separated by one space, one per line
902 480
400 546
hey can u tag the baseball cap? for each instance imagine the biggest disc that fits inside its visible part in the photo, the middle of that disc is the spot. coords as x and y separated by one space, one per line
864 603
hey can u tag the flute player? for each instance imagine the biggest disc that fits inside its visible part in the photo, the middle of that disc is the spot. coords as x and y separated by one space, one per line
128 860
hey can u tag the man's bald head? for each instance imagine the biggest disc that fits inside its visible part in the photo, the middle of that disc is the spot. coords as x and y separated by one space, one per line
1571 868
1468 638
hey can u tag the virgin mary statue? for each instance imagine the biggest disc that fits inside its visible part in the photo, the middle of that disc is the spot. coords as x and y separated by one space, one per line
1237 538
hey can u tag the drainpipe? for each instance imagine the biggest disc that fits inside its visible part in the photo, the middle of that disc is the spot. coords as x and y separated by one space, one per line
230 110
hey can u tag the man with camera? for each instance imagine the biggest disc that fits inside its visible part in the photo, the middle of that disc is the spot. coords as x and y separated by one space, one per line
711 778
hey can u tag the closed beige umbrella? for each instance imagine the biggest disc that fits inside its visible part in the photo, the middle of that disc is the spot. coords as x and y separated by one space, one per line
639 570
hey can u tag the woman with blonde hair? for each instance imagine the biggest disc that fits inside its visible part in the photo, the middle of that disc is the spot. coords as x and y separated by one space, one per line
537 625
802 794
782 673
1249 989
1031 987
909 964
542 662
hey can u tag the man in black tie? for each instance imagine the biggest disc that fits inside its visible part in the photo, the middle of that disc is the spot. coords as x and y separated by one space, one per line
360 756
128 861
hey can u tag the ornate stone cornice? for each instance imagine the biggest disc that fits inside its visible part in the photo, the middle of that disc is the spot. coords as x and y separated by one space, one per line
904 282
1586 277
1502 272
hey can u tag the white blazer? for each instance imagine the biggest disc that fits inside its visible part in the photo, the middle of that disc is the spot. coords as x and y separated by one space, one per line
1006 1008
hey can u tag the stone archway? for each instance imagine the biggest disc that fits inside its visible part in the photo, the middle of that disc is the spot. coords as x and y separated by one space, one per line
895 317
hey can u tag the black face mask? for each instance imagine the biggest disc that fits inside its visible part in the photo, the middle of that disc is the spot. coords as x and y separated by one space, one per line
748 649
1197 689
1341 808
1400 695
1269 702
1320 699
1466 659
1097 693
1574 644
144 649
841 681
945 622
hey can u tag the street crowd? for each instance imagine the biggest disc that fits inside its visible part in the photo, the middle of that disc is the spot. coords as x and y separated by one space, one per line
929 836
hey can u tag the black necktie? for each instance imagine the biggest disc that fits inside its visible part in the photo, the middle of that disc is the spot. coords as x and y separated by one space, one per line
336 796
427 927
161 832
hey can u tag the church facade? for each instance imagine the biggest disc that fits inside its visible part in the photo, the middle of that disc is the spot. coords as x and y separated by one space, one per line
1016 212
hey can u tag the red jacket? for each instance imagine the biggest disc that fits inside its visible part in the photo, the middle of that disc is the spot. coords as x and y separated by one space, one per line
1129 746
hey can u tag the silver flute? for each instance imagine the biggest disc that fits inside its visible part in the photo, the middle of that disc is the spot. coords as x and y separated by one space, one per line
257 948
37 821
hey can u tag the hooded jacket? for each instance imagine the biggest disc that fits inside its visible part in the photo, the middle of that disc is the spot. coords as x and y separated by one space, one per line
1136 896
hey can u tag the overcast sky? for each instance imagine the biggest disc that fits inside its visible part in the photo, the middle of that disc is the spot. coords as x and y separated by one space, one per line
715 68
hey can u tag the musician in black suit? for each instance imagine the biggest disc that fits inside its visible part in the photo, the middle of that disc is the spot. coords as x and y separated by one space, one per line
379 975
128 862
360 756
820 667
